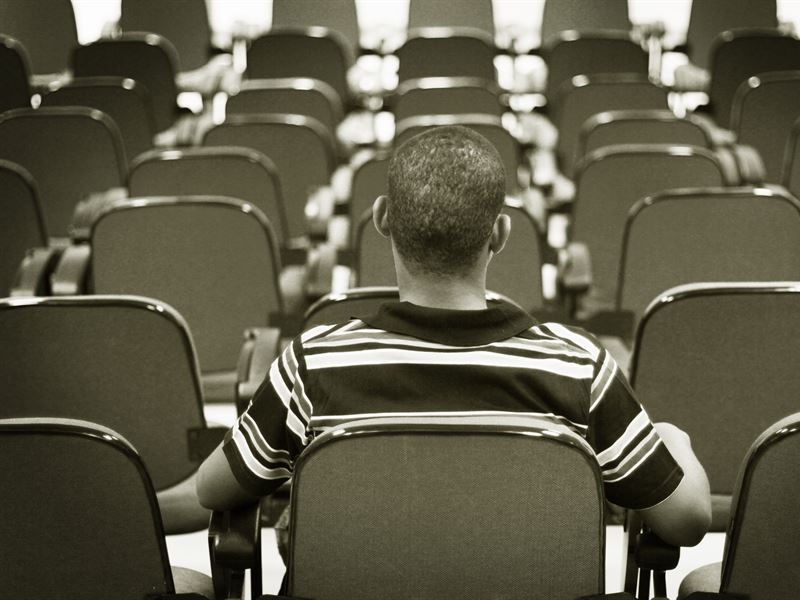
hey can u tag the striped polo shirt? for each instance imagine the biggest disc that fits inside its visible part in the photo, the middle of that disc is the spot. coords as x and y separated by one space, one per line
413 359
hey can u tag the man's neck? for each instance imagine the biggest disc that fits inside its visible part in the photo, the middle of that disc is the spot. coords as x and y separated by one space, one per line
438 292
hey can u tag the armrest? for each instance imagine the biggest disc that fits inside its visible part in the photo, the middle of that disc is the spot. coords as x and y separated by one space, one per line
614 596
261 347
750 165
33 275
575 267
320 270
318 211
234 545
90 208
69 277
647 555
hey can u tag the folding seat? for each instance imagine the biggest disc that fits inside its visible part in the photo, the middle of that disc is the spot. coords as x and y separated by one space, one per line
583 16
71 152
764 109
446 52
430 534
21 221
740 54
48 41
15 90
711 234
516 272
126 101
487 125
474 14
126 362
303 152
214 259
187 27
338 15
760 551
446 96
608 183
80 518
712 359
708 19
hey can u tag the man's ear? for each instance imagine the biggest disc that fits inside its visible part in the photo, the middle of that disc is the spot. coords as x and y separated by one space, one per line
380 213
500 232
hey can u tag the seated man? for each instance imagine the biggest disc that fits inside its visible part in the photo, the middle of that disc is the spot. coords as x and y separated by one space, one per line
441 349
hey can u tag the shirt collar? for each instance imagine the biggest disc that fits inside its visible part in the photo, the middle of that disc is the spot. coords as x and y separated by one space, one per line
452 327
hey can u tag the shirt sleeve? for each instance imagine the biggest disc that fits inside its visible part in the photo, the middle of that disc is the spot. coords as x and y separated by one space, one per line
266 439
638 469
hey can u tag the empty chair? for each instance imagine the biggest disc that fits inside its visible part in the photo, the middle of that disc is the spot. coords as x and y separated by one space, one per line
96 531
446 96
431 536
126 362
791 161
313 52
47 30
446 52
764 109
15 90
569 54
516 272
71 152
742 53
338 15
583 97
609 182
146 58
487 125
21 221
301 148
124 100
723 234
757 564
583 16
709 18
711 358
370 180
476 14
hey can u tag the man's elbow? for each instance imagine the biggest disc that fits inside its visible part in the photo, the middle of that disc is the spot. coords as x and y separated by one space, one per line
690 529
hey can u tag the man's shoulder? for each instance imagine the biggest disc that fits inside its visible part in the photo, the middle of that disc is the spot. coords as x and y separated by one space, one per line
570 337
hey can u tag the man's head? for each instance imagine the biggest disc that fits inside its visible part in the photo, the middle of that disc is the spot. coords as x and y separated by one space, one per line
446 189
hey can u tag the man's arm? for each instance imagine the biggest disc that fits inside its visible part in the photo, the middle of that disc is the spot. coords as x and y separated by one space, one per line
217 487
683 518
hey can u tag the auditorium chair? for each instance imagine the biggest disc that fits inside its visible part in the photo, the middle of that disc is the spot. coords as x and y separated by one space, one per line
790 175
126 362
707 234
71 152
337 15
446 96
583 16
474 14
15 89
760 545
714 359
80 518
126 101
21 221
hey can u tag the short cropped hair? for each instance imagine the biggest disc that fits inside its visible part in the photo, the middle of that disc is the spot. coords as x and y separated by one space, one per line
446 188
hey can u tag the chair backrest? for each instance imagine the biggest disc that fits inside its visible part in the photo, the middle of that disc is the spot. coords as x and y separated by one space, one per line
446 52
185 24
446 96
764 109
126 362
96 531
583 16
790 176
15 91
488 126
70 152
370 180
296 95
147 58
709 18
583 97
231 171
338 15
712 359
610 181
742 53
516 272
314 52
760 553
570 53
21 221
124 100
301 148
214 259
541 486
722 234
477 14
654 126
46 28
